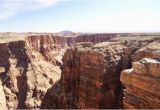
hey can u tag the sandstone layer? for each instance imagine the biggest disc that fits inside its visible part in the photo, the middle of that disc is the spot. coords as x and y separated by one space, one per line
142 81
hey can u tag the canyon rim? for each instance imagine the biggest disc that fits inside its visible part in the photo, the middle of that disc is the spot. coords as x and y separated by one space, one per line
87 71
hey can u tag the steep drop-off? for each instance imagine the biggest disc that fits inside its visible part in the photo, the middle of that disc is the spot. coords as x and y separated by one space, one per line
142 81
28 69
33 76
90 75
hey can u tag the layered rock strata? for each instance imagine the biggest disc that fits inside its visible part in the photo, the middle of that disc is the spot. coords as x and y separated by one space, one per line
152 50
94 38
48 45
30 73
142 85
142 81
27 70
90 75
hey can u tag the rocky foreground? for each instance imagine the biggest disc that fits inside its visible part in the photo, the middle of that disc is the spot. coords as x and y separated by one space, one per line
142 80
88 71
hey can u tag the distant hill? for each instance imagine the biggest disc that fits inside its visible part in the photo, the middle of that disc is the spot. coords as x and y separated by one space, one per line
67 33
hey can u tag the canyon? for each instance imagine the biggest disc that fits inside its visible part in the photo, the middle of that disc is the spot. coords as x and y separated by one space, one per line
81 71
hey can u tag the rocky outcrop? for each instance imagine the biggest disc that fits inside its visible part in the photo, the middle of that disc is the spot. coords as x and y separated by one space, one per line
13 79
152 50
141 82
48 45
142 85
28 70
90 75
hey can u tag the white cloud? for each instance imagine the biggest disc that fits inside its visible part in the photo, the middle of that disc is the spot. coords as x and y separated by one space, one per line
11 7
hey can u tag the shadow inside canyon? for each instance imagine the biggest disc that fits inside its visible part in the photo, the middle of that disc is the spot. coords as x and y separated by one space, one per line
22 65
52 99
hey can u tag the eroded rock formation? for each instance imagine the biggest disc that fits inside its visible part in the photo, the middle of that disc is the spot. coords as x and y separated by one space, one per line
142 85
142 81
30 72
90 75
48 45
151 50
94 38
27 70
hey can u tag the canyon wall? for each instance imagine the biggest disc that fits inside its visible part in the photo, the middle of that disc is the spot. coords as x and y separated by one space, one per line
27 70
90 75
94 38
50 72
30 71
49 46
142 81
93 71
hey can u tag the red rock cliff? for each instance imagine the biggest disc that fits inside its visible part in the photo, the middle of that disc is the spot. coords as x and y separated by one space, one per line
28 69
48 45
142 81
90 75
30 73
94 38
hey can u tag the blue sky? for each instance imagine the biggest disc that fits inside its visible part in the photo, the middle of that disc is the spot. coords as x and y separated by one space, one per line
80 15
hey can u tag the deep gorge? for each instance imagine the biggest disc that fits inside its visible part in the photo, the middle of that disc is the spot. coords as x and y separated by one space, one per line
96 71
